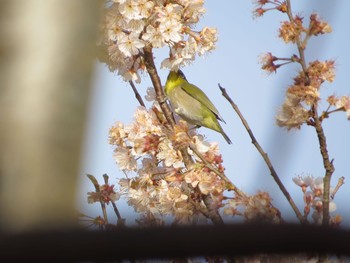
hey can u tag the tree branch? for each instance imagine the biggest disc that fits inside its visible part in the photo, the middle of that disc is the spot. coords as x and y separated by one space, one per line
264 156
152 71
317 123
327 164
160 96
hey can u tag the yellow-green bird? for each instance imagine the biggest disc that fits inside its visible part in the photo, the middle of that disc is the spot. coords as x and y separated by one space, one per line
191 103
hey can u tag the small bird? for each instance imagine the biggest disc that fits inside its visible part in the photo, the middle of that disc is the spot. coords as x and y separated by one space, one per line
191 103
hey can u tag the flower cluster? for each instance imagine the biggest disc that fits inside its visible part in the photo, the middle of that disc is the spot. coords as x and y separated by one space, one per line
105 194
262 6
163 185
96 222
290 31
341 104
292 113
304 94
294 31
255 208
312 189
130 25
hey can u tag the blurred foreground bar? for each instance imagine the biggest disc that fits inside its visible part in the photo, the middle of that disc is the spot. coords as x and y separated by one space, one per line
173 243
46 63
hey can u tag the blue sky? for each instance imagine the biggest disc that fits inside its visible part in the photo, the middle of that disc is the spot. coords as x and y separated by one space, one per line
234 64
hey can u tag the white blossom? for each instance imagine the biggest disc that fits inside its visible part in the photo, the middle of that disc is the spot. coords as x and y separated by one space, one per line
124 159
129 25
129 45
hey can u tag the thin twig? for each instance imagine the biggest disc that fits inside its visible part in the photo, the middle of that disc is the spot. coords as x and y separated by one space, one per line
115 208
137 94
105 178
121 220
265 156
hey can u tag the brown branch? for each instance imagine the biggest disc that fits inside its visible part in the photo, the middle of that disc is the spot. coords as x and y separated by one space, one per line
152 71
160 97
120 221
317 123
116 211
137 94
264 156
327 164
213 212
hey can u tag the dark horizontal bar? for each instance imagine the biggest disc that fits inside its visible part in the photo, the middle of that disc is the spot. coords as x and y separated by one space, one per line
171 242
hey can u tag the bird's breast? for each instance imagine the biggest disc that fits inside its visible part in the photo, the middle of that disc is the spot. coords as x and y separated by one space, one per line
186 106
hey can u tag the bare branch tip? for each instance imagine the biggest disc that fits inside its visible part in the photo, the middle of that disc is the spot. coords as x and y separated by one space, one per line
221 88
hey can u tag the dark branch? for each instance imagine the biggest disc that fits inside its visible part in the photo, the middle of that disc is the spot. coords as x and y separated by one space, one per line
137 94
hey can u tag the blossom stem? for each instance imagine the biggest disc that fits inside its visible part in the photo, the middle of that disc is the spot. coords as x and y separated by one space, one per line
298 41
285 63
97 189
264 155
115 208
326 113
121 221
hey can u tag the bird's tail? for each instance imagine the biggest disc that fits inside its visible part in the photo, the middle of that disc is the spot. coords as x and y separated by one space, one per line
226 137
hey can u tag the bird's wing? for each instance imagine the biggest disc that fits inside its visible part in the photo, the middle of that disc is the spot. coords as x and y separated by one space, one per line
199 95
